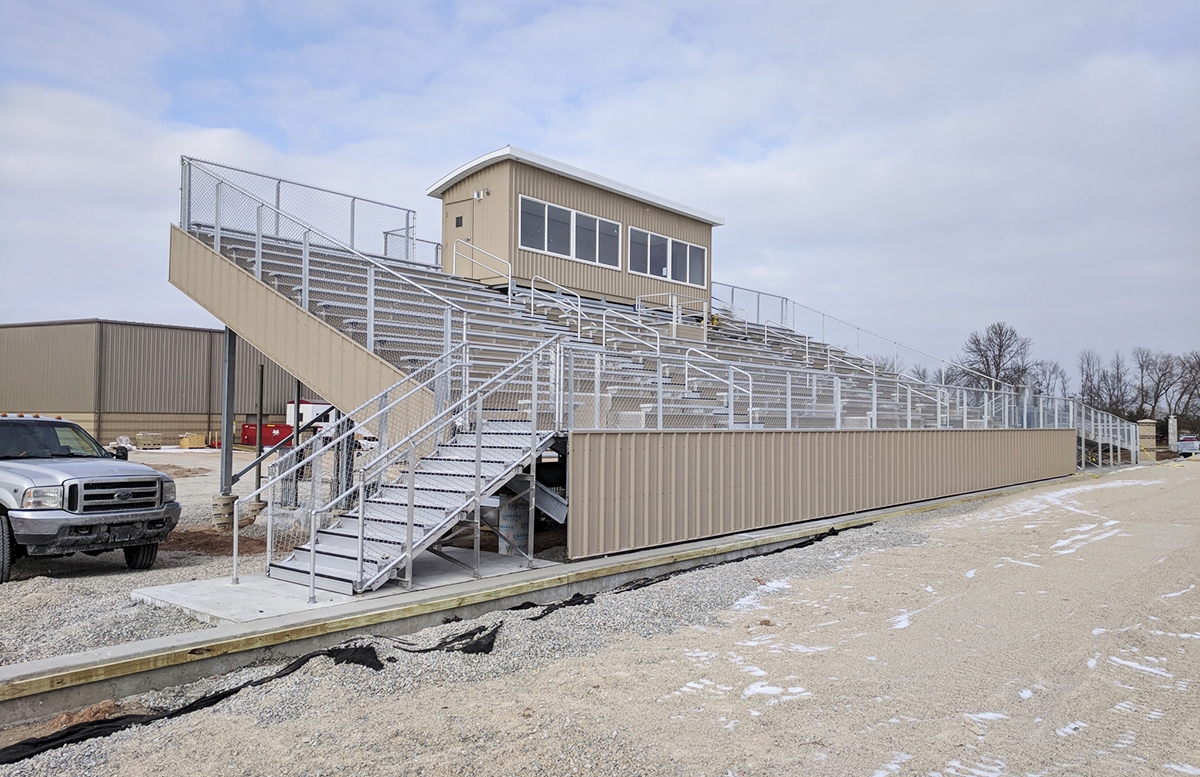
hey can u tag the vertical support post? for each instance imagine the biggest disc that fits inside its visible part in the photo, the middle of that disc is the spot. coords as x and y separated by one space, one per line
236 519
304 260
730 396
596 394
258 243
533 456
908 407
270 527
217 220
228 383
478 474
370 307
353 201
557 375
1025 408
1041 412
659 385
874 403
185 194
278 201
258 434
837 402
412 515
570 390
362 524
788 422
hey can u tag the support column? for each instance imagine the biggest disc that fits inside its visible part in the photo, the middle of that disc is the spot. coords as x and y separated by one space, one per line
228 384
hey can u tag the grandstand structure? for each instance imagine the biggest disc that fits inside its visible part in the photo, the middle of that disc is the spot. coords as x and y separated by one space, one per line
562 354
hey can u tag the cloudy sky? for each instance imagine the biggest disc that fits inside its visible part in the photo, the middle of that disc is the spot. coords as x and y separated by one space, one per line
919 168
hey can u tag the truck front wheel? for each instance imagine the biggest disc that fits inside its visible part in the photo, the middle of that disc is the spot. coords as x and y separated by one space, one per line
141 556
8 549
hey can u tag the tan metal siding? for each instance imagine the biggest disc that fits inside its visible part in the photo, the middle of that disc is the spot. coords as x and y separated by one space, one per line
335 366
583 276
48 367
490 216
639 489
149 369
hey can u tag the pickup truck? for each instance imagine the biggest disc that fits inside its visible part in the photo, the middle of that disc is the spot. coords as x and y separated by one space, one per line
61 492
1188 445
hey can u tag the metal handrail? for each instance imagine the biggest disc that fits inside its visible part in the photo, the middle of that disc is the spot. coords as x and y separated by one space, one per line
534 291
688 365
338 243
454 263
657 347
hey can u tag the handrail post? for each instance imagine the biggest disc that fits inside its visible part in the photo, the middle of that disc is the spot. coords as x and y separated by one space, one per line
371 308
659 382
217 219
533 455
596 393
478 474
412 517
788 420
258 243
271 520
312 550
362 523
729 395
304 269
837 402
235 542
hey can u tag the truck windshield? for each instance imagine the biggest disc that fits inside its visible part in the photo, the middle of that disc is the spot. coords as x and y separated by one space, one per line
29 439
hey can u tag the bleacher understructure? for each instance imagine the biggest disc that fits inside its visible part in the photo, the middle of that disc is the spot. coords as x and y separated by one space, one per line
470 383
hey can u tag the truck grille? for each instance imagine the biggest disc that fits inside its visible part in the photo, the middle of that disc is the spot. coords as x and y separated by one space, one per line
103 496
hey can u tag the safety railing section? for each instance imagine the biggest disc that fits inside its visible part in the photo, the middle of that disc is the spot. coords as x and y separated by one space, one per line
310 483
473 255
364 295
675 308
566 301
363 224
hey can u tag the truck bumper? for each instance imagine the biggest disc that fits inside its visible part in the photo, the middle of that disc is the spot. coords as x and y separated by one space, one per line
51 532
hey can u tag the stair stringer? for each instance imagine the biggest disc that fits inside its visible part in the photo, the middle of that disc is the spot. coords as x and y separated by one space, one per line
434 533
340 370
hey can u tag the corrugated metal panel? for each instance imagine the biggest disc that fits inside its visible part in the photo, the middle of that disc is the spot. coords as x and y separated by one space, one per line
495 229
639 489
153 369
48 367
584 276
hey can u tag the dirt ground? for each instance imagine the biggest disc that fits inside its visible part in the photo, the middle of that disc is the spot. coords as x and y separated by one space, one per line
1053 631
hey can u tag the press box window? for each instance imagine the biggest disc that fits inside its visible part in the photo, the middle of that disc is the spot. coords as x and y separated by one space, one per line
662 257
565 232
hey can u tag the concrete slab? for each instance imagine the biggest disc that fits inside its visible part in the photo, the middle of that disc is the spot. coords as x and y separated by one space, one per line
257 597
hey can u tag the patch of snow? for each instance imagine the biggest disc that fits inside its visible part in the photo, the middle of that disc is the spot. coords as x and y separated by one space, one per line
760 687
1180 593
1025 693
1182 768
980 717
898 759
970 573
900 621
1023 563
1141 667
1072 544
803 649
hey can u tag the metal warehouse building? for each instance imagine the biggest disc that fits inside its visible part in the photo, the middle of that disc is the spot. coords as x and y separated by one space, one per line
120 378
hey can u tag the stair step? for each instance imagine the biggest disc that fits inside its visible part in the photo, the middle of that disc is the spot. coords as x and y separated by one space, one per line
326 579
337 559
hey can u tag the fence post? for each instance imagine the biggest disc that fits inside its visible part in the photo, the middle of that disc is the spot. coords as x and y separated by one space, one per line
874 403
730 396
660 393
258 243
412 515
371 308
596 394
533 456
478 474
362 522
837 402
353 200
185 195
788 422
570 390
304 273
217 220
908 406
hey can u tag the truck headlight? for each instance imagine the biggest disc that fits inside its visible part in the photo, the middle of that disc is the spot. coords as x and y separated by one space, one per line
168 491
43 498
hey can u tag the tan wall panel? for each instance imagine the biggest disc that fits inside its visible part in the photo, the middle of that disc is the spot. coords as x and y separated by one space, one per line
48 367
639 489
336 367
496 224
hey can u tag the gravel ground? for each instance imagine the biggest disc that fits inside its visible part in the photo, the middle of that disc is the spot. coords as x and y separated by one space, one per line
1043 632
63 605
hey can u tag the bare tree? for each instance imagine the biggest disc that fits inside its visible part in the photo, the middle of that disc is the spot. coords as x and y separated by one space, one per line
1049 378
1116 387
1156 372
997 355
1091 376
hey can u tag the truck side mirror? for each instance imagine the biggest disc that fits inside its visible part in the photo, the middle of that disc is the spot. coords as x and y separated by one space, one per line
121 452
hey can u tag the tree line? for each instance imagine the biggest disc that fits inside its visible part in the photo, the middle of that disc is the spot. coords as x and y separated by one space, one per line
1146 384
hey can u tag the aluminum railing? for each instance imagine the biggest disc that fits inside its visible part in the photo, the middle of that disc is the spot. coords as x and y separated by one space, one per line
460 252
560 300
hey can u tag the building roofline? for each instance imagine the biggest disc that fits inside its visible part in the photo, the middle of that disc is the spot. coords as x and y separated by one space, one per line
546 163
81 321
